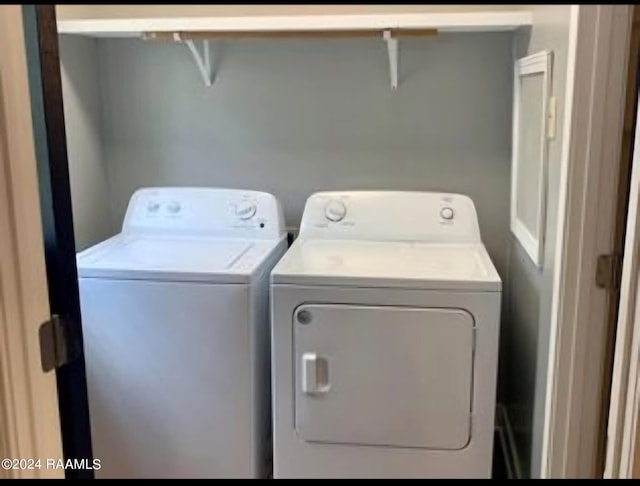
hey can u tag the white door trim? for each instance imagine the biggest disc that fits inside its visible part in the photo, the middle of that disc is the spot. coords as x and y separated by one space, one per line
596 78
29 420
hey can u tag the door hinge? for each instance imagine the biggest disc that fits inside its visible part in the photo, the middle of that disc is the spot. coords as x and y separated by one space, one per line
56 348
608 271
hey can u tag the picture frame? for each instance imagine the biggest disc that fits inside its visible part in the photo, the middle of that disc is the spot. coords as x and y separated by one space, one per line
531 100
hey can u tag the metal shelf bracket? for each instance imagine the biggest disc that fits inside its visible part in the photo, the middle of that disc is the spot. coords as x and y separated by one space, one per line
392 50
208 67
202 59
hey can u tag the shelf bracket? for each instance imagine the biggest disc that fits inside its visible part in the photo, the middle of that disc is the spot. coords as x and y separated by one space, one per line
392 50
203 59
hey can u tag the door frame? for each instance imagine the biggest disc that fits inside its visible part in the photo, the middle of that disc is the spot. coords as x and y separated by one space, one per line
623 453
625 401
50 143
593 121
29 421
41 234
592 133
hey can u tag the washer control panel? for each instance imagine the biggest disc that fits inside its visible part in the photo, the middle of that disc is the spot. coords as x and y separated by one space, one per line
391 215
204 211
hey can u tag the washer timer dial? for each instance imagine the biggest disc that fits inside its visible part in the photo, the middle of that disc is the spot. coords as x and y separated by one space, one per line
245 210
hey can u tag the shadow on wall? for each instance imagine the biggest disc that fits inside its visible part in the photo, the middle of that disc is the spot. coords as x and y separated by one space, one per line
519 348
83 113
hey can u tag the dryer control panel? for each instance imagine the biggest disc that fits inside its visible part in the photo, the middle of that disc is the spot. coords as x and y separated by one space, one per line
391 216
233 213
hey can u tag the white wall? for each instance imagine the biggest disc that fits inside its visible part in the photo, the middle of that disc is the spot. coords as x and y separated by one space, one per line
294 117
83 113
525 340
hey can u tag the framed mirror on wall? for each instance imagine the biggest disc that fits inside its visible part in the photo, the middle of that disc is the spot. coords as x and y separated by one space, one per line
531 96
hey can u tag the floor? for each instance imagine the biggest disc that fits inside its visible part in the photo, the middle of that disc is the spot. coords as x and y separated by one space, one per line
500 467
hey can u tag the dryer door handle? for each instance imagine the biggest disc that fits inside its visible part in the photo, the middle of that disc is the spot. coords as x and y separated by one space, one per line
315 374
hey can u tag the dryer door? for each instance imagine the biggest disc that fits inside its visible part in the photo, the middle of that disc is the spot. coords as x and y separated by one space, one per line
392 376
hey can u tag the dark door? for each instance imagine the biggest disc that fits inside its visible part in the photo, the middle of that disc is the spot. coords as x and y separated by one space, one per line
45 87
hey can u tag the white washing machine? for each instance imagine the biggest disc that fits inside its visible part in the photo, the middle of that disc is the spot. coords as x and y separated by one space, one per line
176 334
385 322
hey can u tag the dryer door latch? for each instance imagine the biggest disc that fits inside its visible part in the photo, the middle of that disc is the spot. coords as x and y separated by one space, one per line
315 374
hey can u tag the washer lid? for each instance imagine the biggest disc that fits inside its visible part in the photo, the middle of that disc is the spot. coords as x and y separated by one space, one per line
167 257
418 265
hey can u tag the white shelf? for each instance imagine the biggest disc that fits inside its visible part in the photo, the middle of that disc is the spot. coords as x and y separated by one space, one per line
94 23
493 21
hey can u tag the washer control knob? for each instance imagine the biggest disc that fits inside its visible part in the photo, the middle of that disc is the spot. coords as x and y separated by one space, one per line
245 210
446 213
335 210
153 206
173 207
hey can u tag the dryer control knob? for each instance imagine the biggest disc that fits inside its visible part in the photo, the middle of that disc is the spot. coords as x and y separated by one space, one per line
245 210
335 210
446 213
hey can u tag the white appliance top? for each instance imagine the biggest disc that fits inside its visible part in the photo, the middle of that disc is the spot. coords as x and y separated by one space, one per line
189 234
389 239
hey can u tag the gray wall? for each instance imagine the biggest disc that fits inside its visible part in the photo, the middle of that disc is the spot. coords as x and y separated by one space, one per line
83 113
525 340
294 117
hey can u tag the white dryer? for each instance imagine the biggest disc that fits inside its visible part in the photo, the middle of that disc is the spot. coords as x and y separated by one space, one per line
176 334
385 322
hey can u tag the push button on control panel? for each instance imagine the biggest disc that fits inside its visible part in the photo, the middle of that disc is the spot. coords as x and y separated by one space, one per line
335 210
446 213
